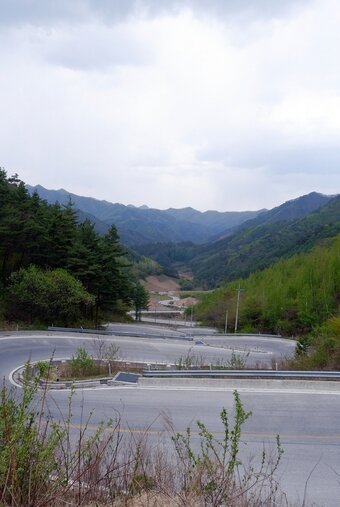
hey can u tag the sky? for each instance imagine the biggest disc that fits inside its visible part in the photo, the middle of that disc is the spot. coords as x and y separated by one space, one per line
214 104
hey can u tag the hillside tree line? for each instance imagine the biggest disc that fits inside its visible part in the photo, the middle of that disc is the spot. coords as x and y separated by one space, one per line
54 270
299 297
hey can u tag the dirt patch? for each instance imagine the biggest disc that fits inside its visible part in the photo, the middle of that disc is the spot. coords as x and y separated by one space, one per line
186 302
161 283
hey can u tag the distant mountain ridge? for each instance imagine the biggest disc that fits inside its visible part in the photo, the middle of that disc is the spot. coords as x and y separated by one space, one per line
293 227
216 247
143 225
291 210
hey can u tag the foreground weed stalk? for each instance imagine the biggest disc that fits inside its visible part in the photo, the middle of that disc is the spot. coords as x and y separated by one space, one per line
215 475
45 463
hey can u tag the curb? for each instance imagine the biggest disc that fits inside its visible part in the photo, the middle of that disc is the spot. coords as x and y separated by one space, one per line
16 377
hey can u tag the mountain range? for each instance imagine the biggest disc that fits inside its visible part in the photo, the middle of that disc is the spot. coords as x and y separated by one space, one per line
143 225
215 247
292 227
295 226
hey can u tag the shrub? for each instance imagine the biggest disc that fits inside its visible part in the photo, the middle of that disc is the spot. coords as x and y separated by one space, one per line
81 363
215 475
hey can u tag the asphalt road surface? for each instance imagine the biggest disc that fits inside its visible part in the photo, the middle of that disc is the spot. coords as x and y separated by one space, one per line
308 423
210 347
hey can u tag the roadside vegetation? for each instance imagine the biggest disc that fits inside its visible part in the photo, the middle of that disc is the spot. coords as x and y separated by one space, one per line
190 360
297 297
83 365
48 463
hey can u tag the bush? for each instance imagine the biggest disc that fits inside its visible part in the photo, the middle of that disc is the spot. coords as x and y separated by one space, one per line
81 364
215 475
55 296
42 368
320 350
28 445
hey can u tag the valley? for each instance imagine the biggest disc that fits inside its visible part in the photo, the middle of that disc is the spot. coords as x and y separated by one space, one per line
274 278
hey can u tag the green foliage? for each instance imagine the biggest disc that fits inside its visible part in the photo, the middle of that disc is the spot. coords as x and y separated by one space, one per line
144 266
46 296
27 450
295 226
57 270
81 363
168 254
321 349
43 463
42 368
259 244
215 472
143 225
187 361
294 296
190 360
237 361
185 284
140 299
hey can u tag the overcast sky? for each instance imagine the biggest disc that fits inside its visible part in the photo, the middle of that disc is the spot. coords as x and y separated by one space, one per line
214 104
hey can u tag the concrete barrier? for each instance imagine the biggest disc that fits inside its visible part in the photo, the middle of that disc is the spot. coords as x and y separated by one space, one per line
90 383
240 384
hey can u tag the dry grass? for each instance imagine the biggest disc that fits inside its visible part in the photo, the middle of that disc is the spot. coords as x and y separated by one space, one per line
53 465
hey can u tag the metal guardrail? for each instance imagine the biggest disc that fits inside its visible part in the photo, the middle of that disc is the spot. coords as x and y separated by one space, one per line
77 330
283 374
120 333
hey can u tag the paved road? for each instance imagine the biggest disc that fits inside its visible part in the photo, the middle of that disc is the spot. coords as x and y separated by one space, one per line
263 351
309 423
146 348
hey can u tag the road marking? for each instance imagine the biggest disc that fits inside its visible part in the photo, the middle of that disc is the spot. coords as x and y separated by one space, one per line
260 390
196 433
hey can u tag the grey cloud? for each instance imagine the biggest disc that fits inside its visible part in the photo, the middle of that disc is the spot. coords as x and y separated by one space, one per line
302 159
248 8
38 12
53 11
308 160
97 49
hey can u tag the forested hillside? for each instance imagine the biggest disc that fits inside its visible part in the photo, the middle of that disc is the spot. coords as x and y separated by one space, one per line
56 270
297 296
259 245
292 227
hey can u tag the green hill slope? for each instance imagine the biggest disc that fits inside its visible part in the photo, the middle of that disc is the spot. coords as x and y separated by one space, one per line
293 296
263 241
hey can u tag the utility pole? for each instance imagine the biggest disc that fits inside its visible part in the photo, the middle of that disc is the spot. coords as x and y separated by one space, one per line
239 290
226 322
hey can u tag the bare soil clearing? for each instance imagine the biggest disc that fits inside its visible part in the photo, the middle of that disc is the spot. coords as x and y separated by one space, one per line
161 283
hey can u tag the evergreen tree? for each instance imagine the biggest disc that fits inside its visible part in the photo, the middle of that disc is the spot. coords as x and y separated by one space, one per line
33 232
114 290
140 298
